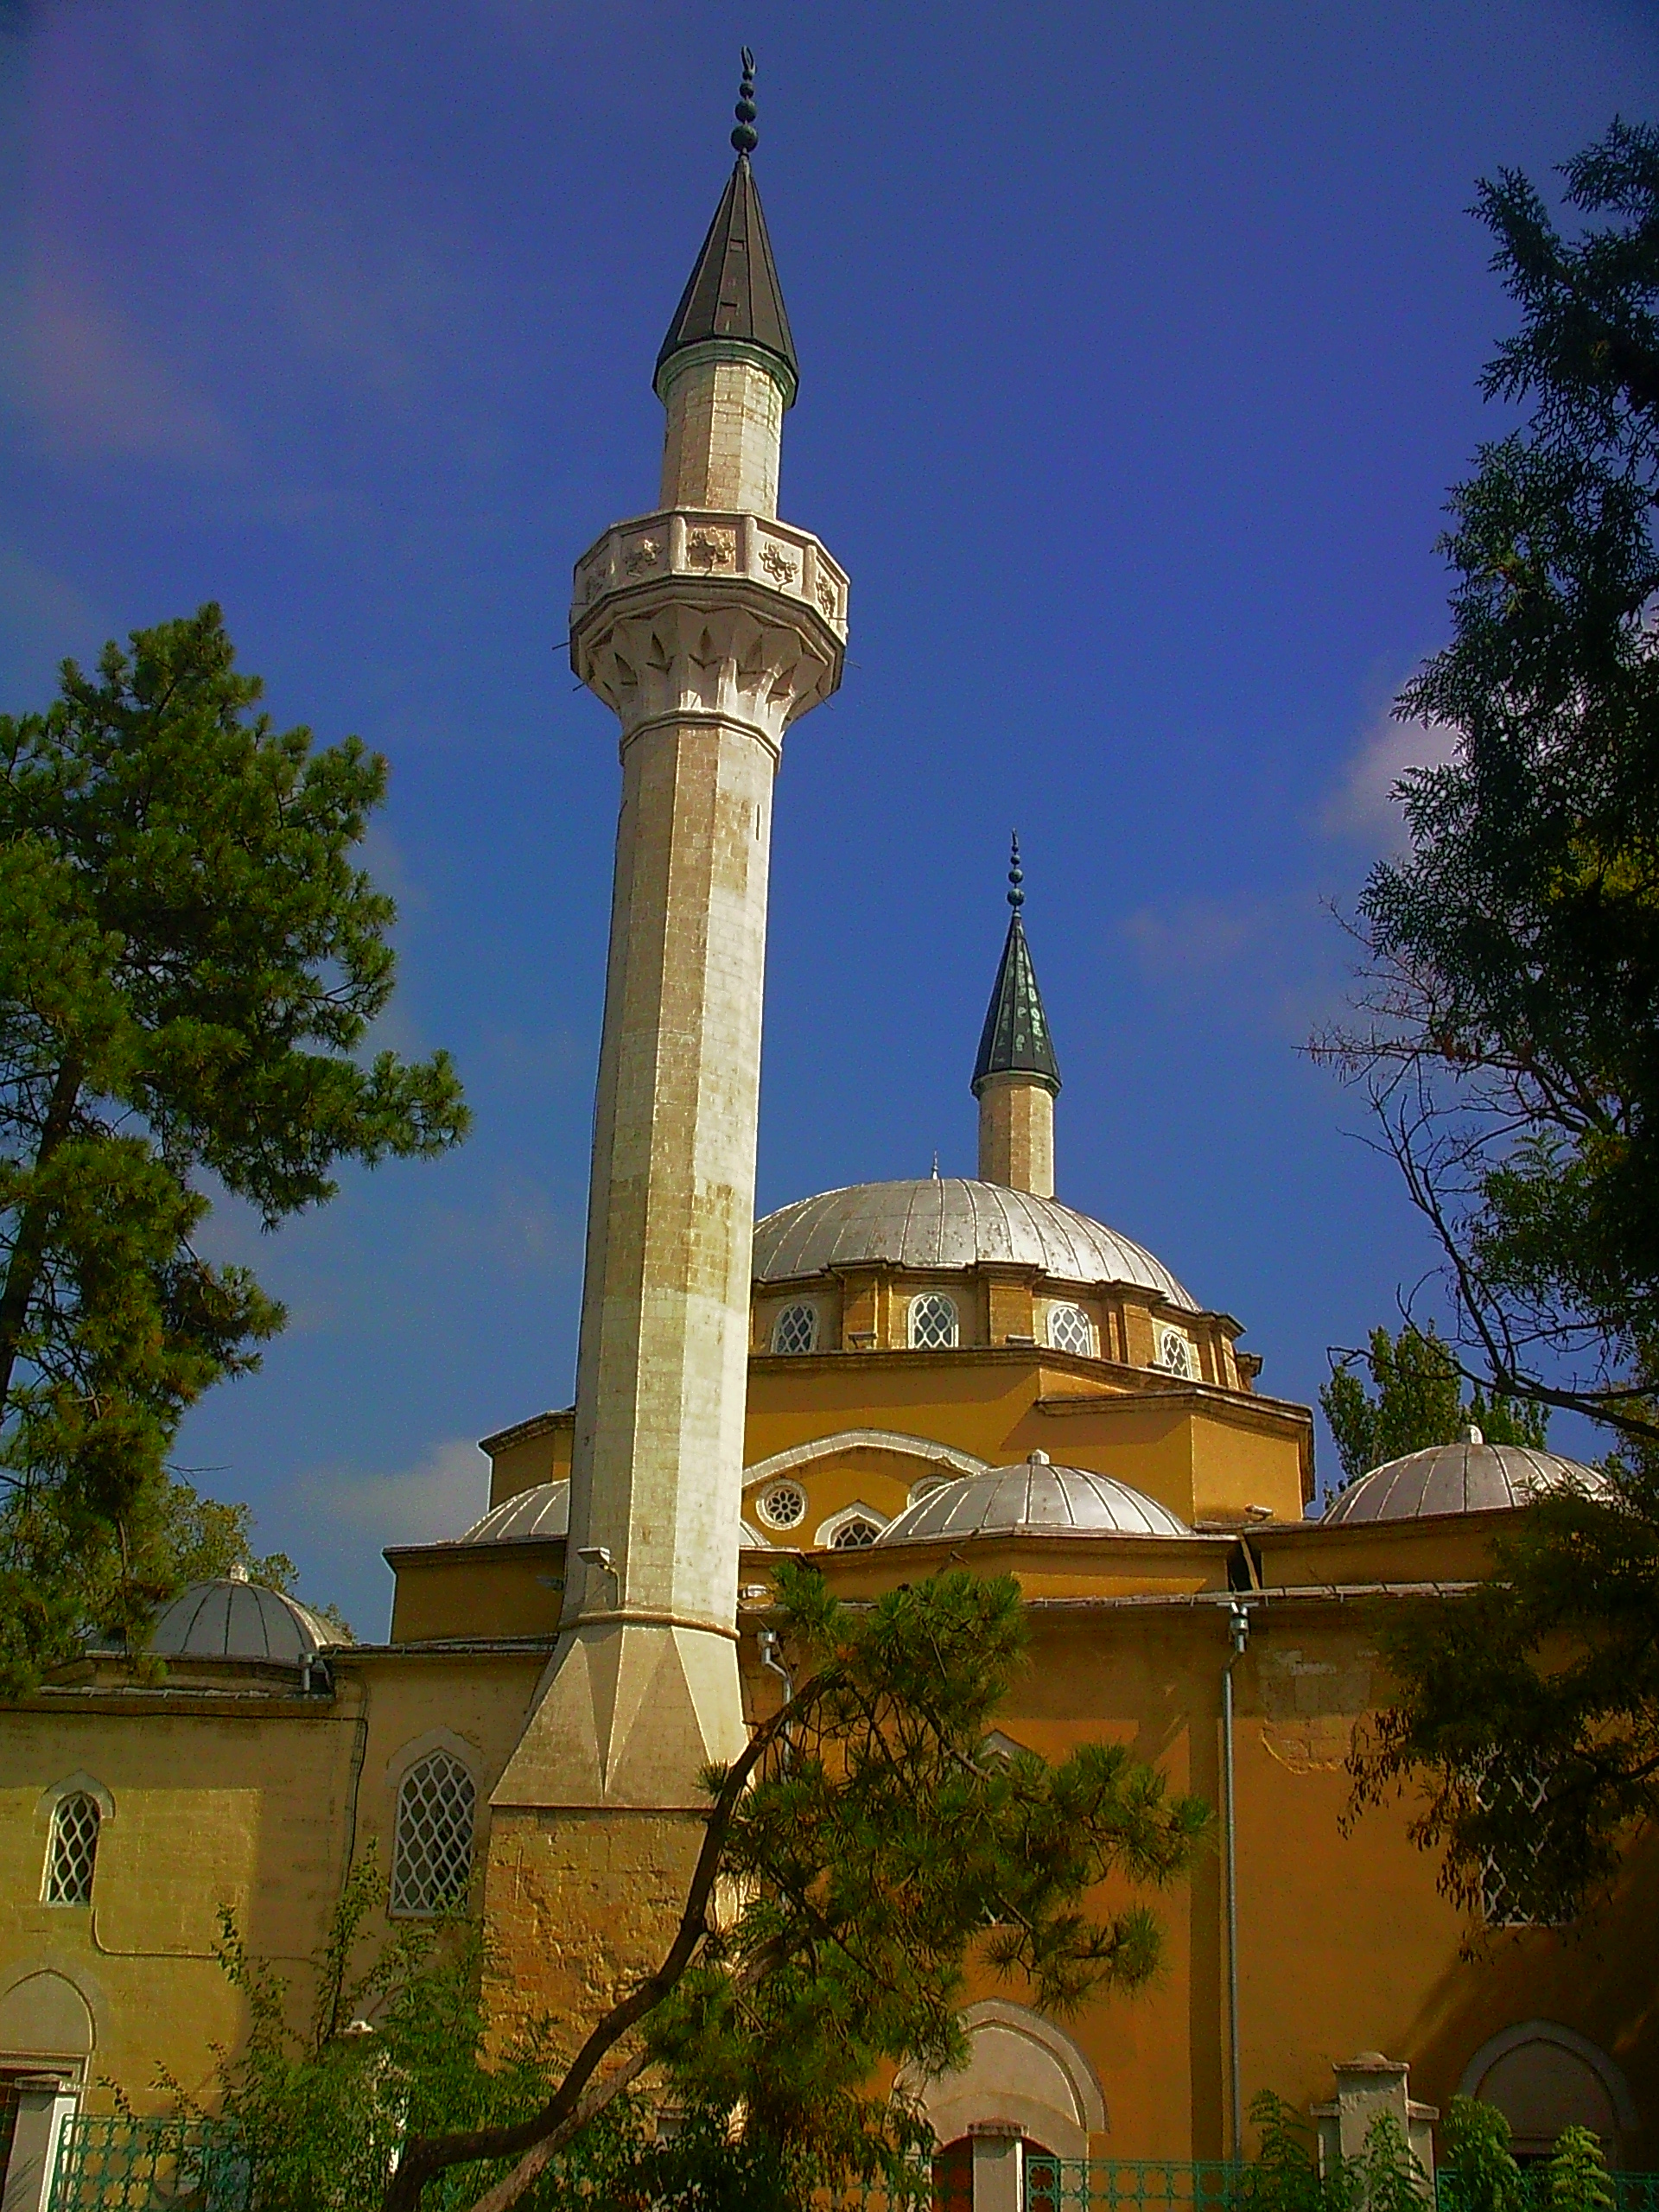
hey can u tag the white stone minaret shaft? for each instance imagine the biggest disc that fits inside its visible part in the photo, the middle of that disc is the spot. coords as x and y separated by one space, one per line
708 627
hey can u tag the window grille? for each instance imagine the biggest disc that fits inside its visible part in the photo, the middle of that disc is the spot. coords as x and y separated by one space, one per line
1071 1329
1519 1797
783 1505
854 1536
432 1863
796 1329
932 1322
1175 1352
73 1852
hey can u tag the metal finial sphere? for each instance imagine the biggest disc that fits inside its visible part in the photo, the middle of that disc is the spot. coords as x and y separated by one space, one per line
746 138
1016 876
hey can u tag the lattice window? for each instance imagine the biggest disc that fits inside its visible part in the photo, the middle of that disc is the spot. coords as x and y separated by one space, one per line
433 1860
932 1322
1071 1329
73 1852
1520 1798
796 1329
1176 1352
854 1536
784 1506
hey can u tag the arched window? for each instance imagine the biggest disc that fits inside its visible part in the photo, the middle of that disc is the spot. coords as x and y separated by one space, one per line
854 1536
432 1859
796 1329
1176 1352
932 1322
1071 1329
72 1853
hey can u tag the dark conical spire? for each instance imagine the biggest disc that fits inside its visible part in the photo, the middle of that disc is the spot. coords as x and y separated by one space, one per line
1015 1039
733 291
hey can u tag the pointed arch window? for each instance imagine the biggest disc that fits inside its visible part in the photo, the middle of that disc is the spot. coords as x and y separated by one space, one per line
1071 1329
933 1324
1177 1354
856 1534
432 1857
71 1855
796 1329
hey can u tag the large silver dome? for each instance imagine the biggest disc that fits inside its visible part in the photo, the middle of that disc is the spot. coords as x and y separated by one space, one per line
950 1222
233 1618
1035 1498
1468 1477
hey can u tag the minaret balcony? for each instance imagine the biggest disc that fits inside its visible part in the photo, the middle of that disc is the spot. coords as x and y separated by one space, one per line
689 612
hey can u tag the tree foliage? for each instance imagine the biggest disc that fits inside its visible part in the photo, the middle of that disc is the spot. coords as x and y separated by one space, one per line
1511 1047
189 962
1509 1030
1416 1400
1286 2174
1527 1718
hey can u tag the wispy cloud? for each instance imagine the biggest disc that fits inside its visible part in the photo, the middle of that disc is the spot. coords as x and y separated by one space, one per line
1364 805
1196 938
95 386
443 1493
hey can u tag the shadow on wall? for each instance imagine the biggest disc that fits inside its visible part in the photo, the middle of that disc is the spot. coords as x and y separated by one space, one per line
1557 2026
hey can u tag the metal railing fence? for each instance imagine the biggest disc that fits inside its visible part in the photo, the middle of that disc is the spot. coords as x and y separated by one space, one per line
117 2163
112 2161
1175 2185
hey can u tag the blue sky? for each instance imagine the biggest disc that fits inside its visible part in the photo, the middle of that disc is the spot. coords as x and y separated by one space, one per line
1139 347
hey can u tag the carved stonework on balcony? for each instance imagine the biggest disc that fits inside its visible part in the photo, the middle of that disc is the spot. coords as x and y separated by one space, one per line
685 615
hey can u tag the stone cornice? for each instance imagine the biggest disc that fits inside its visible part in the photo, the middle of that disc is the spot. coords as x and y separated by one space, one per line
525 1431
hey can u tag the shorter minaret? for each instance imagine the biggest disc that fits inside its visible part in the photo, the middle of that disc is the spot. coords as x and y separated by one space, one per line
1016 1077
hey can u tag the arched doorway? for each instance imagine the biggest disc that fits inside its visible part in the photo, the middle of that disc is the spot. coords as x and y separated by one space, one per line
1002 2156
953 2175
1543 2077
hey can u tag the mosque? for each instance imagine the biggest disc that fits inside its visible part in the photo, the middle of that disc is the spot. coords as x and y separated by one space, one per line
884 1379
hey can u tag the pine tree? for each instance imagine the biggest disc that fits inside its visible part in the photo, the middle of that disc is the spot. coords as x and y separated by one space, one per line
879 1847
189 961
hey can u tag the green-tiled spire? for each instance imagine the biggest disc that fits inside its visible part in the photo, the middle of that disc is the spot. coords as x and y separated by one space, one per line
734 290
1015 1039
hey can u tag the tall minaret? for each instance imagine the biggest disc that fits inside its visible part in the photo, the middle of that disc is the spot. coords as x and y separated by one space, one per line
1016 1077
708 627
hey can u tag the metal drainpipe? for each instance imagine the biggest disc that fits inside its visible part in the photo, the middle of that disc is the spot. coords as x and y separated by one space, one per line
1239 1629
772 1658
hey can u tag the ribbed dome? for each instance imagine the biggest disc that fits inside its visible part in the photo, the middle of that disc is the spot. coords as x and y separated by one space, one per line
543 1513
533 1515
1035 1498
950 1222
233 1619
1468 1477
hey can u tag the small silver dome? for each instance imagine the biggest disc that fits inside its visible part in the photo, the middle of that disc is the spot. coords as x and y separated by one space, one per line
1468 1477
1034 1498
951 1222
543 1515
233 1618
532 1515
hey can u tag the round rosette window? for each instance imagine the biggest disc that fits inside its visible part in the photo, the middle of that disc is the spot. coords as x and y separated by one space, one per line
782 1506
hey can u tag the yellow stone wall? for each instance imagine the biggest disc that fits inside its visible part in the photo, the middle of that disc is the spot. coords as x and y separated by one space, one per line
1345 1942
